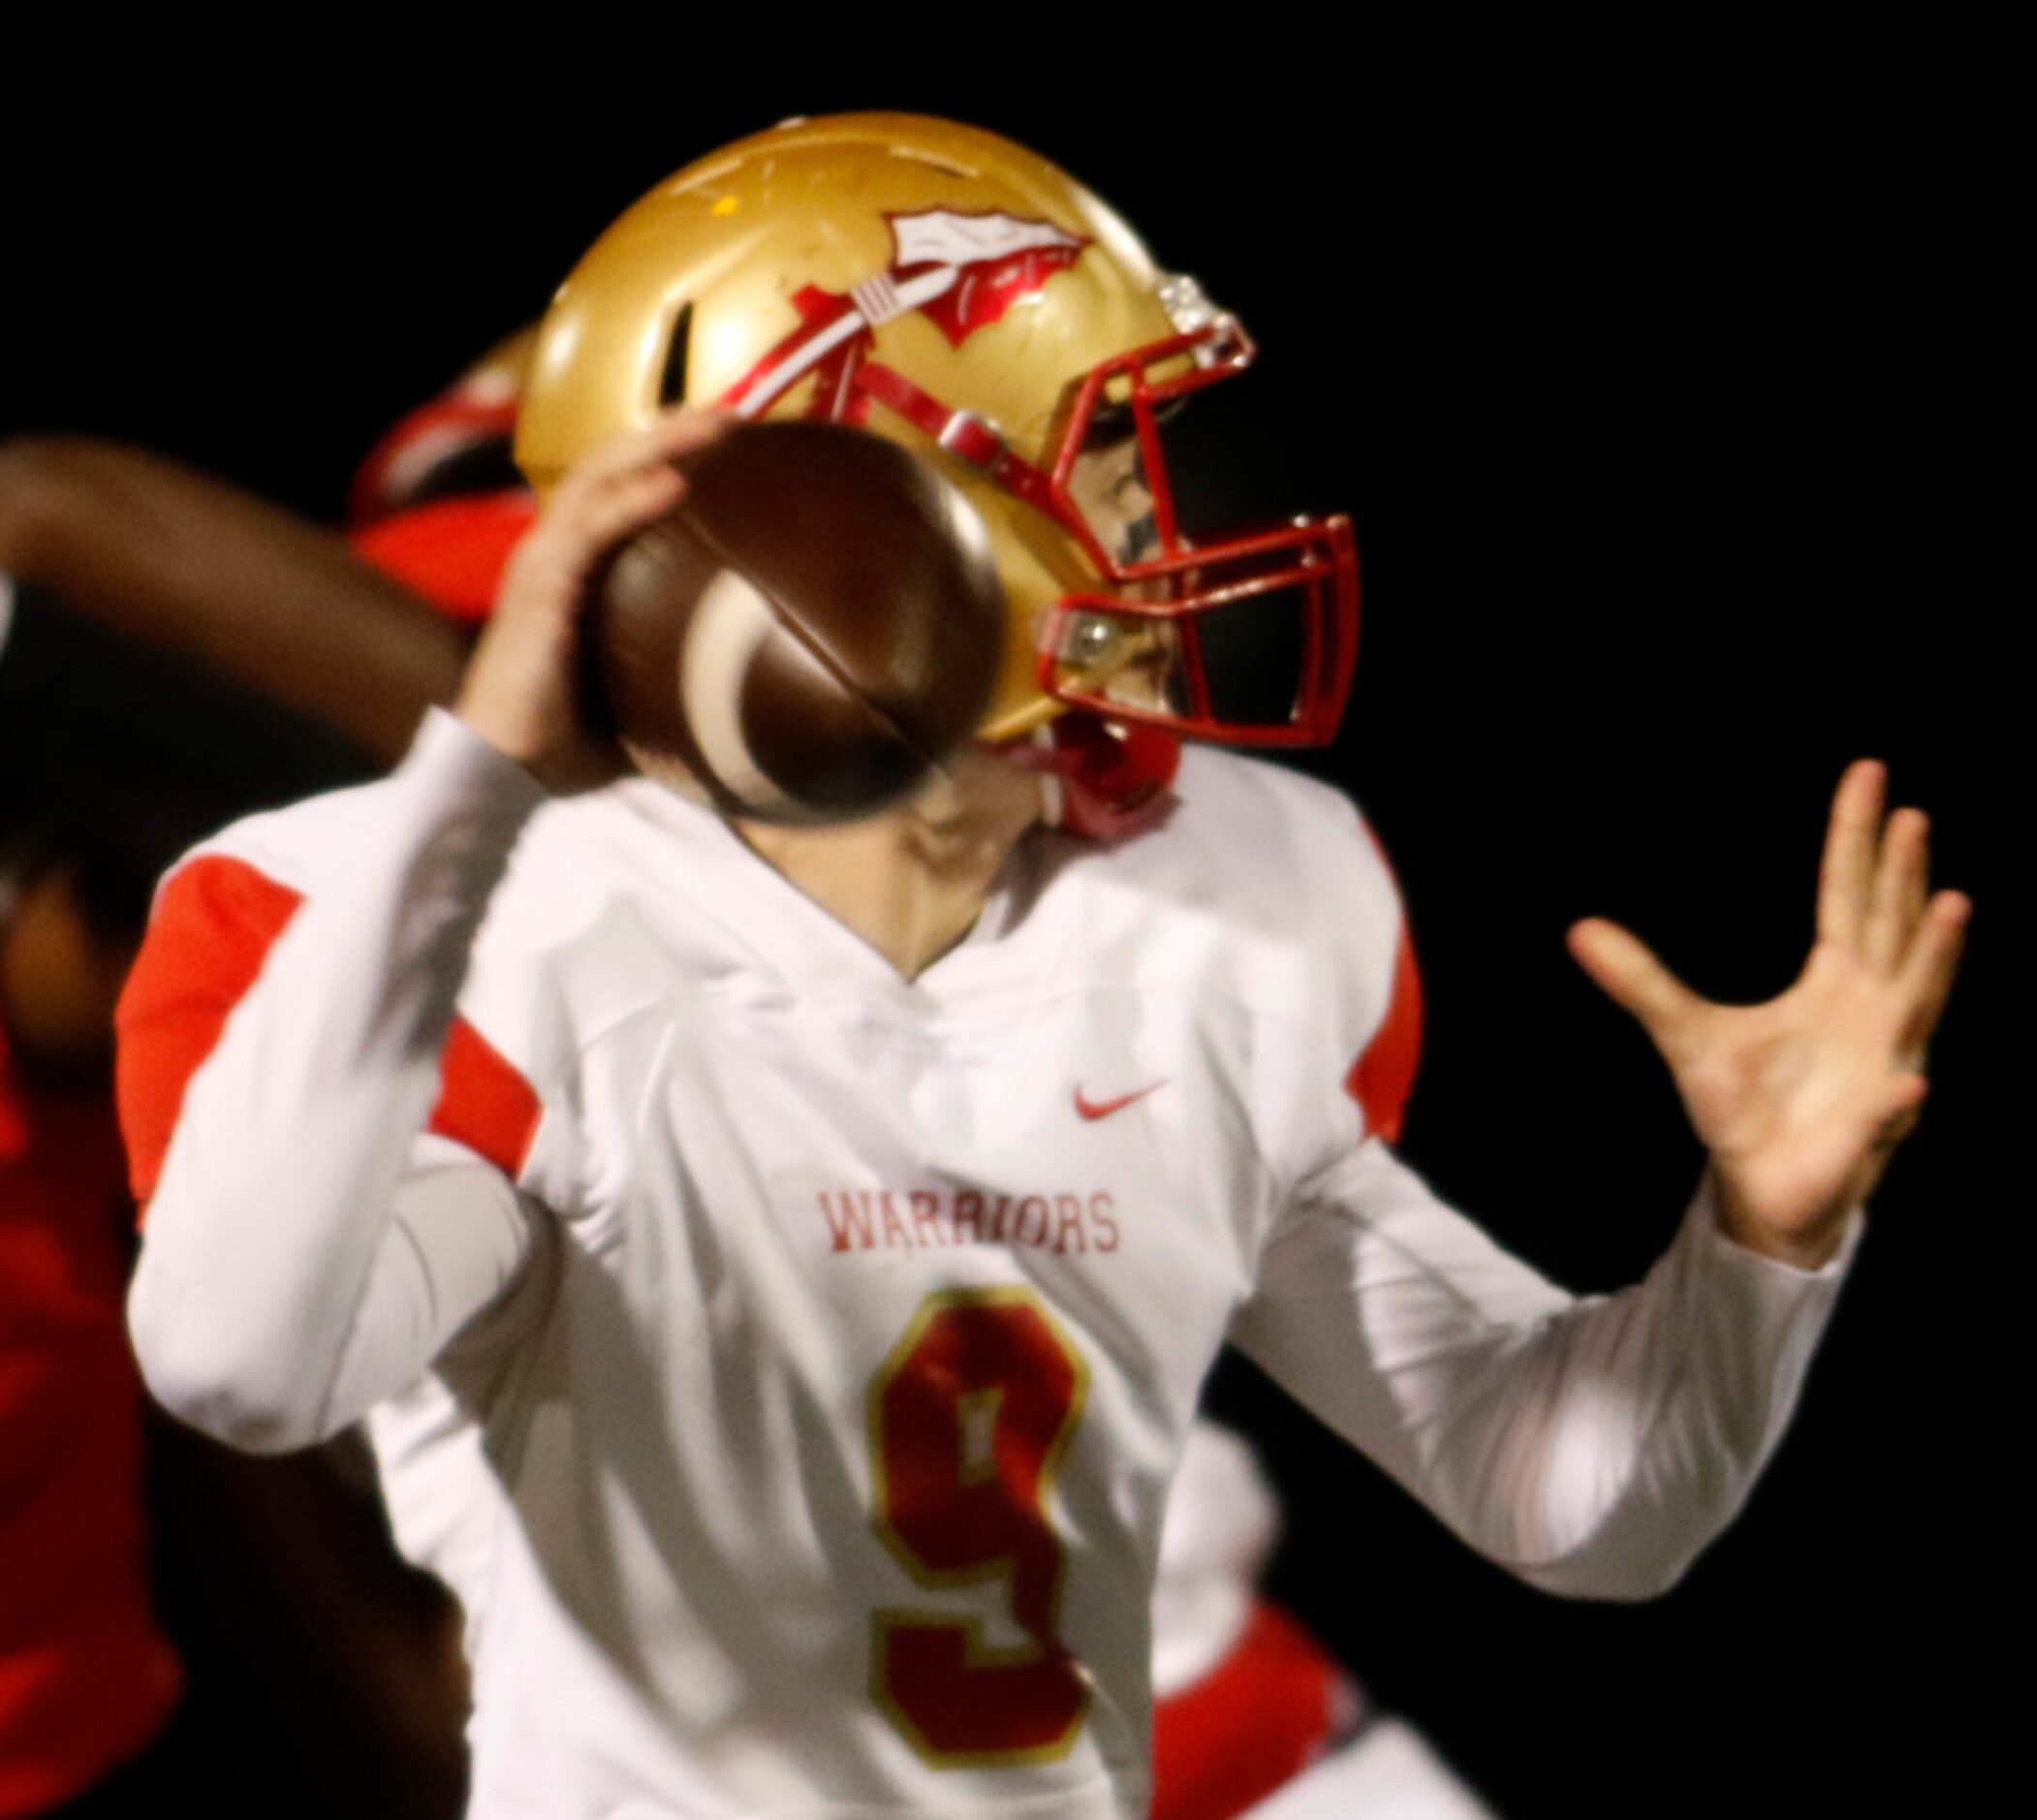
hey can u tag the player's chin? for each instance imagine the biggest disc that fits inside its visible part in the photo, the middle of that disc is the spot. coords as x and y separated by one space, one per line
987 779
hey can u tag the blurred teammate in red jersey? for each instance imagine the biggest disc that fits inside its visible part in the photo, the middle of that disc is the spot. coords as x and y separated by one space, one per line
130 589
87 1679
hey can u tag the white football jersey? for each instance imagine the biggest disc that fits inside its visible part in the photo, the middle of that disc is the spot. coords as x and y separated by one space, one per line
809 1351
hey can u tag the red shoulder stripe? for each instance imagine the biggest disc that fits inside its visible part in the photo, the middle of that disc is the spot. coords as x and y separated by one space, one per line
1383 1077
213 927
483 1102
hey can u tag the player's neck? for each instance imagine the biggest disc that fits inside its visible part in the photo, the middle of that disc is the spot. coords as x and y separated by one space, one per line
912 881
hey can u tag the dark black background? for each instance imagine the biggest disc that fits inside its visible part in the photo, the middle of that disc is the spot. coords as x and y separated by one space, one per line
1655 372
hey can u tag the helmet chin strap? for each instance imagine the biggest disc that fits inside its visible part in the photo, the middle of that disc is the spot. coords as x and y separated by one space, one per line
1053 796
1103 780
960 432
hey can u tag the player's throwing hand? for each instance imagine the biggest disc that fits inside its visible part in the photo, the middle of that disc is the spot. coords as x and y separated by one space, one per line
1803 1100
522 692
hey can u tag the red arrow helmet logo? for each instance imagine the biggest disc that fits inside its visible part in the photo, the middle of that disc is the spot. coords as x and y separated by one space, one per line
962 271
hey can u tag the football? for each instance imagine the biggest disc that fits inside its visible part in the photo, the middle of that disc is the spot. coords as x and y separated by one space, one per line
808 632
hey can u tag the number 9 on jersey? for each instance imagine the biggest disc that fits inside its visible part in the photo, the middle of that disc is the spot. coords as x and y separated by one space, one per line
969 1417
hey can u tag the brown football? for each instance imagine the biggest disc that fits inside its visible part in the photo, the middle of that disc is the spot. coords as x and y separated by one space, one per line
808 632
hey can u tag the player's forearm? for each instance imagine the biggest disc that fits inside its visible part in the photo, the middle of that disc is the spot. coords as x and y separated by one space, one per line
261 597
1592 1446
1625 1436
260 1307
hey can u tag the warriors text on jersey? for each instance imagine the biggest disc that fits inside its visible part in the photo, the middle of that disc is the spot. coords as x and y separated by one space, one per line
785 1363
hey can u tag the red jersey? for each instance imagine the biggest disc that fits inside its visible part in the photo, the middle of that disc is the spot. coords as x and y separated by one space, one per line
85 1676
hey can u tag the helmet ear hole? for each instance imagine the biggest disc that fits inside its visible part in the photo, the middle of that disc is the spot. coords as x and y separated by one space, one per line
671 382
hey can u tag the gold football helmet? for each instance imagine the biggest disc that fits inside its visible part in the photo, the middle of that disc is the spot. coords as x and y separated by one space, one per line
949 290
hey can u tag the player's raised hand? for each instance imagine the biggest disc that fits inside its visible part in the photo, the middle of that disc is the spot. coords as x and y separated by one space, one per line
1802 1100
522 688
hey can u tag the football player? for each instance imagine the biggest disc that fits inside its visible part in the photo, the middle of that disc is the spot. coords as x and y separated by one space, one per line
1244 1701
778 1265
87 1679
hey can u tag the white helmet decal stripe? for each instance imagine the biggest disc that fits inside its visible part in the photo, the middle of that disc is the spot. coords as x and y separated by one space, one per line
950 245
814 344
940 236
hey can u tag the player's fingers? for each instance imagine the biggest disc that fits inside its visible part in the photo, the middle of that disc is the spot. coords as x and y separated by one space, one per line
622 508
1897 900
1624 969
687 428
618 464
668 437
578 529
1931 965
1848 865
628 465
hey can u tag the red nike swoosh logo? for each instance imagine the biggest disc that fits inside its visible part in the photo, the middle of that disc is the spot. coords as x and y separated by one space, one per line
1103 1109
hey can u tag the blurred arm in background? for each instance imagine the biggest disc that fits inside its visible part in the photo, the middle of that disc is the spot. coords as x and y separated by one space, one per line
258 596
175 654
